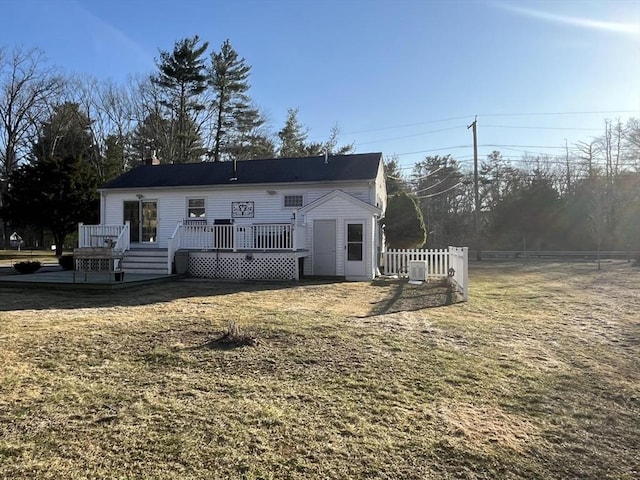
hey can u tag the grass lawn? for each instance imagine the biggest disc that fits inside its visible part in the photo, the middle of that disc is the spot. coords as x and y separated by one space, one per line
537 376
9 257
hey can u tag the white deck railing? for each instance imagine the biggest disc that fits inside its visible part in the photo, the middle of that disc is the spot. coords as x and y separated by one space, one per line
114 236
272 236
173 246
452 262
268 236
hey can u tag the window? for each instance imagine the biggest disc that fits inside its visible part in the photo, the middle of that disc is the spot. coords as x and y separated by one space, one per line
195 208
354 242
292 201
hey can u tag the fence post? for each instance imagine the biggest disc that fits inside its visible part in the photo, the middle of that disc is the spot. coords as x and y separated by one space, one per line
465 278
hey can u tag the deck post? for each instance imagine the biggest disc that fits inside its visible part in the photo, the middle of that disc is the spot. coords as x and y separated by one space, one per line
293 234
235 238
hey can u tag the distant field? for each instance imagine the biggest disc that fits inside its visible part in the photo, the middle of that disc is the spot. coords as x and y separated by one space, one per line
536 377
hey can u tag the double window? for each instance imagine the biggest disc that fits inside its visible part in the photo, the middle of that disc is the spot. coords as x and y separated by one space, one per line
195 208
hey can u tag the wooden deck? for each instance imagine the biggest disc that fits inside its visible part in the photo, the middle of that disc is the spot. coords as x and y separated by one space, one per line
63 279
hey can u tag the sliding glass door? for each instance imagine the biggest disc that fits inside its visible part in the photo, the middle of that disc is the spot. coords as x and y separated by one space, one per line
142 216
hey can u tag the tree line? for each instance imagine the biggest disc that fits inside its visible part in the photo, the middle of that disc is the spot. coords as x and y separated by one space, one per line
62 135
195 107
586 199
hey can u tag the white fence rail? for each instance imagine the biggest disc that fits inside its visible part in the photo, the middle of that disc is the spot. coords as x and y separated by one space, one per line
452 262
397 261
113 236
556 254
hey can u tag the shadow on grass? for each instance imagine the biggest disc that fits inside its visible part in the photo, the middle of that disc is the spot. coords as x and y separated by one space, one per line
405 297
232 338
13 299
223 343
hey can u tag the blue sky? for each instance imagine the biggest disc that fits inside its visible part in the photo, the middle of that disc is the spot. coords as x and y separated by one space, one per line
401 77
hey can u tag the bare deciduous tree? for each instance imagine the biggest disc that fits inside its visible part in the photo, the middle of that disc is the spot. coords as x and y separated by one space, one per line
27 88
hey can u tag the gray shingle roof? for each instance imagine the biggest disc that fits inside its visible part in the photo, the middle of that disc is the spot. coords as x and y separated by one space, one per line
363 166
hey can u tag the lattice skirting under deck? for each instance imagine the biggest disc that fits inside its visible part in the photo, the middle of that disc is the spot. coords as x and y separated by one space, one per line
95 264
242 266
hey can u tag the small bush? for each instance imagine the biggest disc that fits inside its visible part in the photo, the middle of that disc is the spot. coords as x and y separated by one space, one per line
27 267
234 338
66 262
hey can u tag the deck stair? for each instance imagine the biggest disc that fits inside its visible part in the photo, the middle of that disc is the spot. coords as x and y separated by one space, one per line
145 261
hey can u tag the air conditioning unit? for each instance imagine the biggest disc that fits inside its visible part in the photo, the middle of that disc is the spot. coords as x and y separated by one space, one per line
417 270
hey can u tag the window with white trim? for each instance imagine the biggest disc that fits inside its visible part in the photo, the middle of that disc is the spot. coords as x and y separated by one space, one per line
293 201
195 208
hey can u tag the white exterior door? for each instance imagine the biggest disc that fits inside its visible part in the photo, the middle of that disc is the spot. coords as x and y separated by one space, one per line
355 249
324 247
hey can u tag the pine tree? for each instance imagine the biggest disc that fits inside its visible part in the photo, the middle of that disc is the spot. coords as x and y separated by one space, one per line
293 140
394 178
293 136
404 224
152 136
237 121
182 76
65 133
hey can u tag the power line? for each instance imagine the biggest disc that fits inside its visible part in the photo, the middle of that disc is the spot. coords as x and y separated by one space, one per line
409 136
553 159
432 186
406 125
517 114
521 146
432 150
440 193
534 114
541 128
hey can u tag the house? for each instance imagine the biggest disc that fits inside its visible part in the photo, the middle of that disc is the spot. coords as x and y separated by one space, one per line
254 219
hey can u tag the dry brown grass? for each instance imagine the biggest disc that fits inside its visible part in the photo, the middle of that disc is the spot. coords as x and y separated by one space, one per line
536 377
10 257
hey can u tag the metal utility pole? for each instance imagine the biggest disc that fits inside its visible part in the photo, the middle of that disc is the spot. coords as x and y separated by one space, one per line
475 188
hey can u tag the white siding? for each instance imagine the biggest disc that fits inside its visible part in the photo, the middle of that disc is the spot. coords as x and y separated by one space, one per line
268 203
381 202
113 211
341 210
380 189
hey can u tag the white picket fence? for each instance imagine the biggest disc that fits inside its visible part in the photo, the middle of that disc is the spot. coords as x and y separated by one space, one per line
441 263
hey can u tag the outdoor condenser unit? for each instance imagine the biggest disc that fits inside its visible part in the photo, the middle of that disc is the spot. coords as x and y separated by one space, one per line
417 270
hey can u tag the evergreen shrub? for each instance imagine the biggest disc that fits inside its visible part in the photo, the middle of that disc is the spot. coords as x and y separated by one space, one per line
27 267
